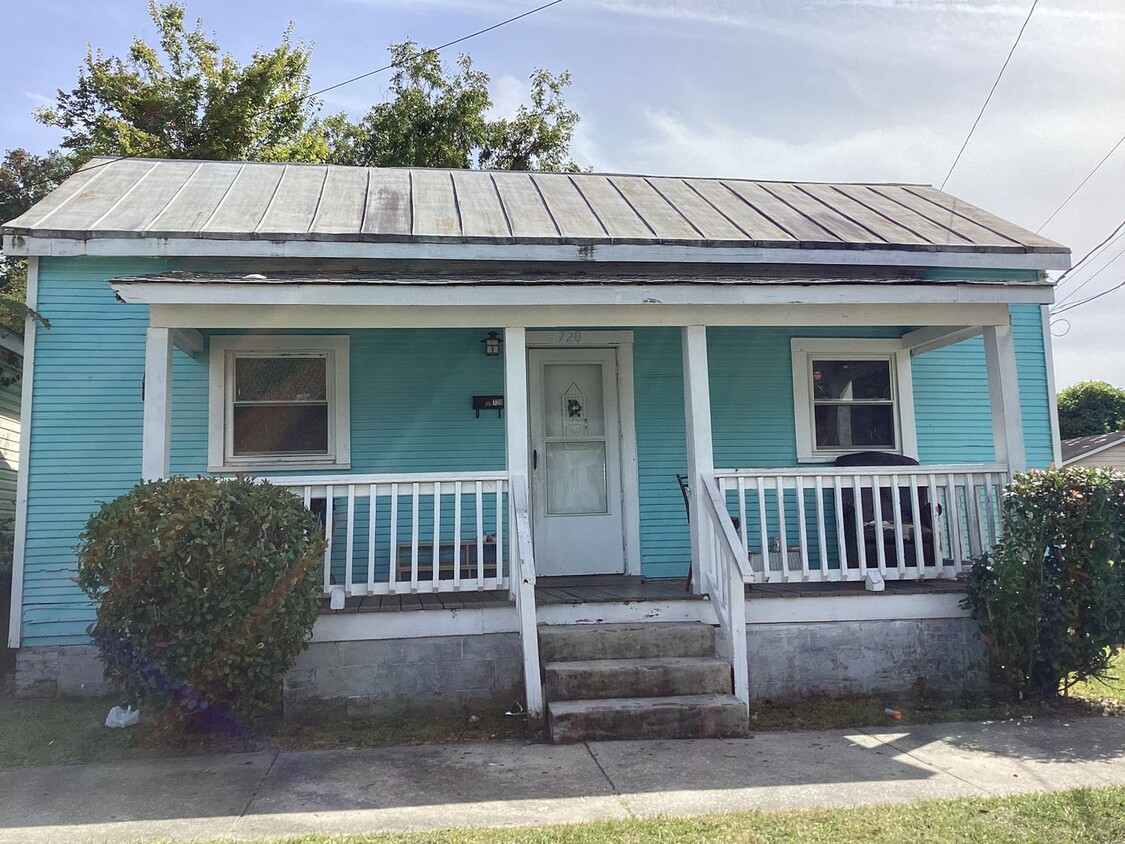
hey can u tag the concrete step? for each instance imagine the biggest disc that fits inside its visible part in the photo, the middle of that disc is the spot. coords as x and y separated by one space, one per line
623 678
568 642
679 716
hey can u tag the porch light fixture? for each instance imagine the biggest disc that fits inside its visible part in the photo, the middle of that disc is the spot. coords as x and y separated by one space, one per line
492 343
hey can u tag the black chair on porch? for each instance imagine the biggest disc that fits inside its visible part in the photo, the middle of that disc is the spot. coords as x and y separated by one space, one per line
916 526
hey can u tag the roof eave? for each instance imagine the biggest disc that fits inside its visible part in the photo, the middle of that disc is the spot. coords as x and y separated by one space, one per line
23 242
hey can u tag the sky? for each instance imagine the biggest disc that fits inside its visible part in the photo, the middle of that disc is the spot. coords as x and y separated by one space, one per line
831 90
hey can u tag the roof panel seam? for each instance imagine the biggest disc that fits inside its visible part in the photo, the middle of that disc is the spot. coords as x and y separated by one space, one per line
173 198
937 223
500 202
457 204
319 201
222 199
366 202
543 199
840 211
70 198
954 212
273 196
589 205
822 226
125 195
675 208
631 207
879 213
716 208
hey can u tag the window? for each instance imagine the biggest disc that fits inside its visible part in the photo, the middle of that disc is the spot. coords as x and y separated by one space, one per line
851 395
279 402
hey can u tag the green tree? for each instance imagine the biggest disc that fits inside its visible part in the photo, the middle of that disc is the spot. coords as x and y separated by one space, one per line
437 116
24 180
186 99
1089 408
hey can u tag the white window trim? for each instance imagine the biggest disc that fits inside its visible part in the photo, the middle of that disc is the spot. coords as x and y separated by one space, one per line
804 348
219 395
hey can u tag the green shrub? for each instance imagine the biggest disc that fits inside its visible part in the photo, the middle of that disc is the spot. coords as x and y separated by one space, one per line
1051 597
207 590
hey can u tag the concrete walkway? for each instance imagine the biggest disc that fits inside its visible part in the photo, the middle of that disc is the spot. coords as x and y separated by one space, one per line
511 783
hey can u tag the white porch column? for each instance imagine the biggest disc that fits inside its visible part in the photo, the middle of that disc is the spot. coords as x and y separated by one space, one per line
1004 396
157 441
515 400
700 450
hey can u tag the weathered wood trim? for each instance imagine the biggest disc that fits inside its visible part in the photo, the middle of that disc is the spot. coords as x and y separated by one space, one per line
937 337
19 540
653 297
1004 396
1052 400
156 449
700 445
176 247
320 316
188 340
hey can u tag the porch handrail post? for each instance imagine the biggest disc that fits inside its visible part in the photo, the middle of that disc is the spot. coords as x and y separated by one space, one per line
516 432
1004 397
157 438
700 449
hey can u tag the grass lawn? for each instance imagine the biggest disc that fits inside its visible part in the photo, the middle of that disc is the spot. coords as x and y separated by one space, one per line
1089 816
53 732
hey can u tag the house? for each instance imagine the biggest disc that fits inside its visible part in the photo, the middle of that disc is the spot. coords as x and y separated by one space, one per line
11 364
1100 450
486 383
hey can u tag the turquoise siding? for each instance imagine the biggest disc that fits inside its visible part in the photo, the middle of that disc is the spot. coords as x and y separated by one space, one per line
410 394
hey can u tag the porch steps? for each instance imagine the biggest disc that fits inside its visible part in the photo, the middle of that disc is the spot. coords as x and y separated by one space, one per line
636 681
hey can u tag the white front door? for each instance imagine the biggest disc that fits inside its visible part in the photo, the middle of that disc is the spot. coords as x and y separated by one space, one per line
576 462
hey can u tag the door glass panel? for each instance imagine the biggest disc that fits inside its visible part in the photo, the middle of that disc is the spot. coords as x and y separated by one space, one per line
574 404
576 478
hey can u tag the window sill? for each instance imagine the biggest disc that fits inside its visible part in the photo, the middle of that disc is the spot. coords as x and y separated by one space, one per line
251 467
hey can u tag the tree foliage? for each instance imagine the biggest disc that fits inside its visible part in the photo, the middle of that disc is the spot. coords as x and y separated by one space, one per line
438 116
1050 599
1089 408
185 99
207 591
24 180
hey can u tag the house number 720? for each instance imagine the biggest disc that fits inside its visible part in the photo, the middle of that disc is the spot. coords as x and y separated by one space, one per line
570 337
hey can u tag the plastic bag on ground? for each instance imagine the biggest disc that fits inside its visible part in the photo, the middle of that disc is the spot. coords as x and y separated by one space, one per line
119 717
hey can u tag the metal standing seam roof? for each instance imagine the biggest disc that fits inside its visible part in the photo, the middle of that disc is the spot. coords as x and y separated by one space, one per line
146 198
1079 447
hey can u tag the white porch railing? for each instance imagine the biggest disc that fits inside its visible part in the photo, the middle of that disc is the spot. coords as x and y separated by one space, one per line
723 574
416 533
833 524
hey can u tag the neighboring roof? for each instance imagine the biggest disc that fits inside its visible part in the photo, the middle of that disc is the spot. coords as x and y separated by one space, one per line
1080 447
156 199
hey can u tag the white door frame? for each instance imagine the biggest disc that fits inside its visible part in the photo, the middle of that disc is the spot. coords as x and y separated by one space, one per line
622 341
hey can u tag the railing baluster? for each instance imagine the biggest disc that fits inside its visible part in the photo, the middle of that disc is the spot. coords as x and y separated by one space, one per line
328 538
900 545
802 528
743 530
456 535
877 508
372 498
480 535
934 538
860 538
394 537
782 540
499 530
841 545
414 537
822 540
349 545
437 536
972 516
990 519
953 520
919 542
763 529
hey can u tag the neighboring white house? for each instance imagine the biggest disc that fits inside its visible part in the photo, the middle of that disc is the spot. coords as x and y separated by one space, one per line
1101 450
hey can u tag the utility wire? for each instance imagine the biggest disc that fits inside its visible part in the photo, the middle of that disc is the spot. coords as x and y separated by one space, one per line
317 93
992 91
1098 272
1112 236
1081 184
1087 301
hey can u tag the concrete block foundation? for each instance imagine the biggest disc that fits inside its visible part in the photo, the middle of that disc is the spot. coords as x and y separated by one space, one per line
387 677
61 670
866 657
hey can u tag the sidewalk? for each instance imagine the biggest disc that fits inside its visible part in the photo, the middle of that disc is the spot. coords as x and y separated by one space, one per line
512 783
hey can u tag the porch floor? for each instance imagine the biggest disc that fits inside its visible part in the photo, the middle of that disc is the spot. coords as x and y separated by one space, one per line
595 589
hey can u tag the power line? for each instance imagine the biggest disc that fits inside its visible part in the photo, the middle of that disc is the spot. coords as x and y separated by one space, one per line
992 91
1112 236
1088 279
1081 184
1087 301
361 76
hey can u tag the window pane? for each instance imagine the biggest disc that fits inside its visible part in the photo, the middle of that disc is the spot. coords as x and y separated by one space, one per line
855 426
280 379
281 429
576 478
851 379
